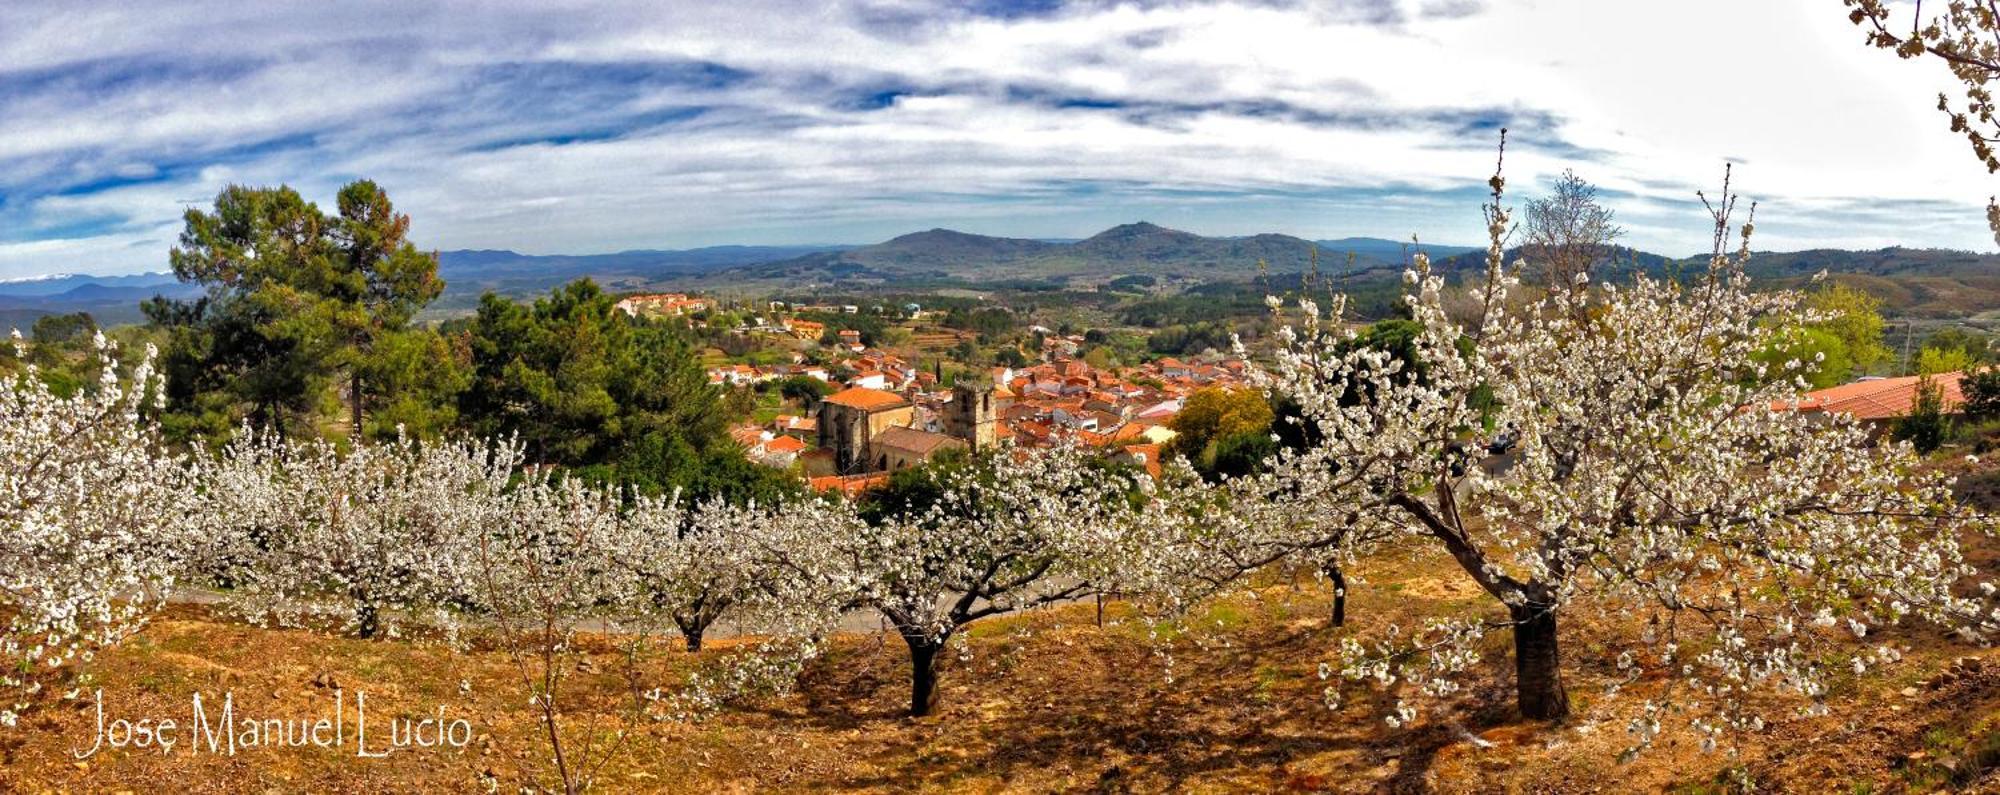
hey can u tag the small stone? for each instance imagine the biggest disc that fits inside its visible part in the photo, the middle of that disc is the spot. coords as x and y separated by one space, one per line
1909 692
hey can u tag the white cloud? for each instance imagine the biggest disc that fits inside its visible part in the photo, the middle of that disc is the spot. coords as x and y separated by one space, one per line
556 129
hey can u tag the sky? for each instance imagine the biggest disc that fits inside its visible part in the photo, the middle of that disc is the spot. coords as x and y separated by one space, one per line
582 127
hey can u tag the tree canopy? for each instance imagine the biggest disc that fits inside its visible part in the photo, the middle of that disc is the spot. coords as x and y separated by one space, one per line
580 382
295 300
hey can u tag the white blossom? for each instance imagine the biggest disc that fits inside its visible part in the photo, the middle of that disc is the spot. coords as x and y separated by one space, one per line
95 518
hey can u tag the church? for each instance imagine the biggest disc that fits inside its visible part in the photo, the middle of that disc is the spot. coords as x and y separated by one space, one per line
873 430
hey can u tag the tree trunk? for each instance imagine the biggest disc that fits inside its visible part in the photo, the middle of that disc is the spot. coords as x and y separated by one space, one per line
354 397
923 674
366 620
1333 572
1538 664
692 629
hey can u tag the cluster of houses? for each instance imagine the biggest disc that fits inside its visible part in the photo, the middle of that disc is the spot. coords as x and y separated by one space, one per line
663 305
871 428
888 414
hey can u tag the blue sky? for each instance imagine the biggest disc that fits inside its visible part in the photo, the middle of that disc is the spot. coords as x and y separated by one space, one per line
609 126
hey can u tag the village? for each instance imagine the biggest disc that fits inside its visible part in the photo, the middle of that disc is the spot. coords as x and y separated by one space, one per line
886 412
882 412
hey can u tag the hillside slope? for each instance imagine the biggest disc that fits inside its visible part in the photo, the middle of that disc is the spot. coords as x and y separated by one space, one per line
1128 249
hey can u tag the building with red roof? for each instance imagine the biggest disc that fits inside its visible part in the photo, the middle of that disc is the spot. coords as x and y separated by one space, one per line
1878 399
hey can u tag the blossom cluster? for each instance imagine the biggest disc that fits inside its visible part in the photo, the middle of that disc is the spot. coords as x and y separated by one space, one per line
95 518
1620 448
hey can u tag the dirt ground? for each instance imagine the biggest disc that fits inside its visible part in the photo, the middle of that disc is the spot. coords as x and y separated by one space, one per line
1044 702
1047 702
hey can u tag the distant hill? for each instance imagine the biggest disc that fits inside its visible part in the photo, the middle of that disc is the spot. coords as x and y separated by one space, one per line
115 300
62 283
111 300
1929 284
936 247
1127 249
1934 284
1395 251
1623 260
469 273
1918 282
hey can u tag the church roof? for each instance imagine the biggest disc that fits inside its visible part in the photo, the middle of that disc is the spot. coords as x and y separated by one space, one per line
911 440
861 397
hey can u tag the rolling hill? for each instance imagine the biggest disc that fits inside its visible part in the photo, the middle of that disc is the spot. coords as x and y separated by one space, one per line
1135 248
1926 284
111 300
1919 283
470 273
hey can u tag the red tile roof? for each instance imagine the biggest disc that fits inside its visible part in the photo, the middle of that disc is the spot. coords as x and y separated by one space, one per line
914 441
1146 455
1878 398
861 397
784 444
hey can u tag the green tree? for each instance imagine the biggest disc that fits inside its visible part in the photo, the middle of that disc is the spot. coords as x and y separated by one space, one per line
259 345
1977 347
1846 345
1100 358
61 346
990 323
76 328
294 299
1933 361
1926 426
915 490
663 464
1857 323
414 378
1982 392
804 389
382 281
1827 358
1212 420
579 381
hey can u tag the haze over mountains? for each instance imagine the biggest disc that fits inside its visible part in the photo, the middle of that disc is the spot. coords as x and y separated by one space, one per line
1135 248
1924 282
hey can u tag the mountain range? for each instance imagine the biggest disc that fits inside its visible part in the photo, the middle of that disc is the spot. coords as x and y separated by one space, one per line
111 300
1922 282
944 255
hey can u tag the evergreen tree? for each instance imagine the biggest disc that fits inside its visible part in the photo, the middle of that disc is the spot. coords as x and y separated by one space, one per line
295 299
580 382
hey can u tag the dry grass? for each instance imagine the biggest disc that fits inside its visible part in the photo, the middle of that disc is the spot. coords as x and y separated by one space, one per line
1047 702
